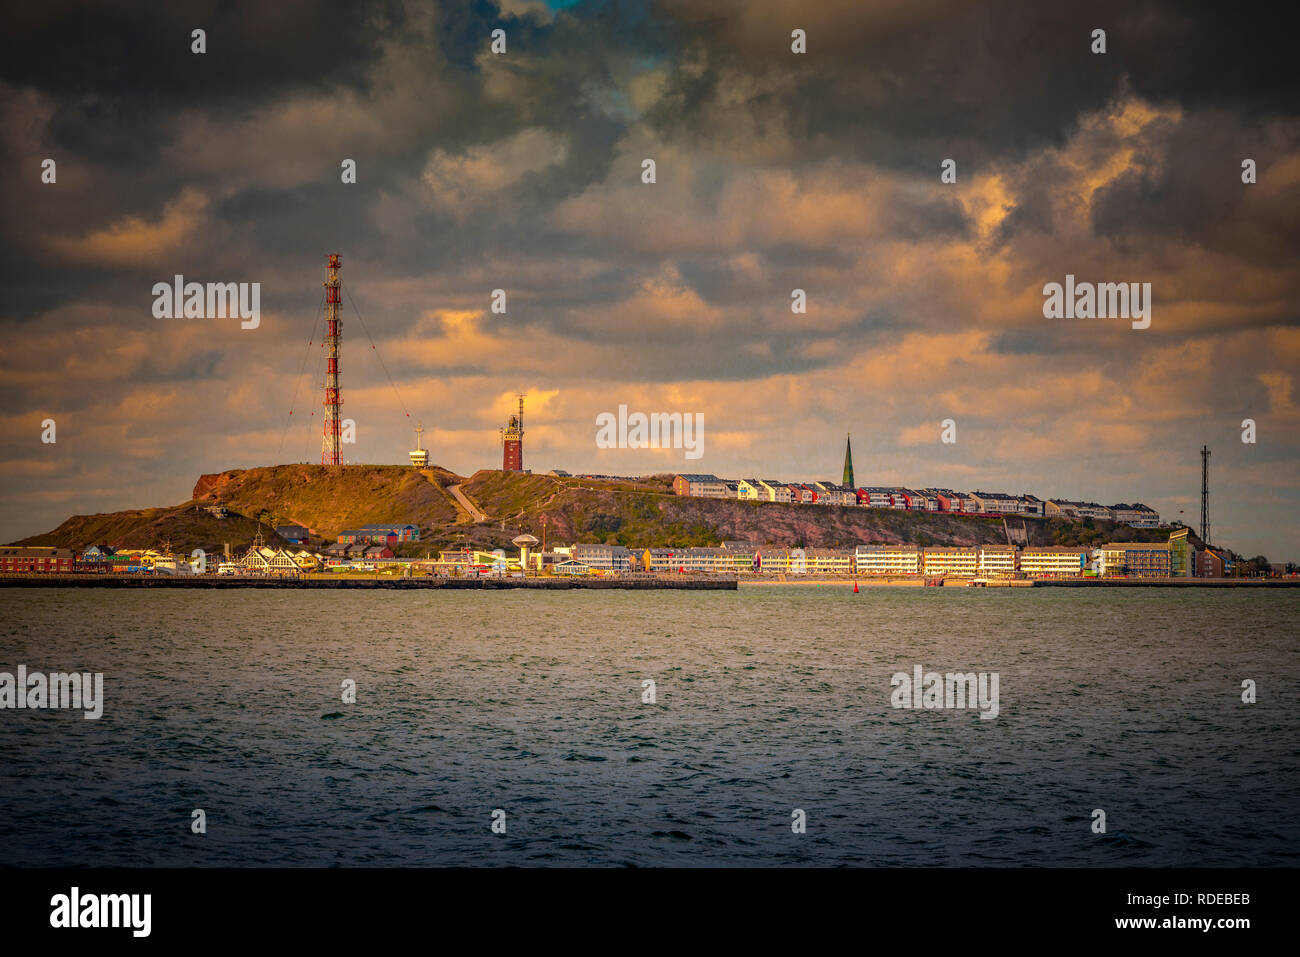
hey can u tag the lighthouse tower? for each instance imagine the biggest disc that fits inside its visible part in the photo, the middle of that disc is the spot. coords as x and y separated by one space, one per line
512 441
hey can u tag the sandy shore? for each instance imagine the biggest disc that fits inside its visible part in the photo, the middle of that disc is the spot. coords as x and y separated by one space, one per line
835 582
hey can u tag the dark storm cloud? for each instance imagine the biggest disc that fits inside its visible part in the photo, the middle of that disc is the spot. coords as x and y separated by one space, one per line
142 52
903 82
1198 191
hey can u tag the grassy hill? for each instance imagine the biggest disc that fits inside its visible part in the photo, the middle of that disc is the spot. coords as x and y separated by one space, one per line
635 512
183 526
328 500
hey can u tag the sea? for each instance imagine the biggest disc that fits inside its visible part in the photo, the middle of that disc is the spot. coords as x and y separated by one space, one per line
517 728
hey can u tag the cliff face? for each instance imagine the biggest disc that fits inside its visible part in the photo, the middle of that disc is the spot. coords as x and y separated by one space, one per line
641 512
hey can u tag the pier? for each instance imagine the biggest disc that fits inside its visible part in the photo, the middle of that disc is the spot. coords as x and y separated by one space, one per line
392 584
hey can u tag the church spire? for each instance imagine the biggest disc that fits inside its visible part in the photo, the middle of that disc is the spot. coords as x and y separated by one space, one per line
848 462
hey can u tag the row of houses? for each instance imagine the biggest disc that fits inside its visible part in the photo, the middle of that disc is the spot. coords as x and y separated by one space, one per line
1176 558
95 559
358 551
917 500
379 535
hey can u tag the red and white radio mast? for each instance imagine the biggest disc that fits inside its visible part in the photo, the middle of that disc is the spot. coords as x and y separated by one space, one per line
331 451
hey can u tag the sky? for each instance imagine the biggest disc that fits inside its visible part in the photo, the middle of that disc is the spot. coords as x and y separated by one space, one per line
774 171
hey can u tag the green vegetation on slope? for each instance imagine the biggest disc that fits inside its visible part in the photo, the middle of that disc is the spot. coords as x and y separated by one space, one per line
643 512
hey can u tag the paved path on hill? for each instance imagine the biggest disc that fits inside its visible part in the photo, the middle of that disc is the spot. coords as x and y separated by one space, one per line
478 514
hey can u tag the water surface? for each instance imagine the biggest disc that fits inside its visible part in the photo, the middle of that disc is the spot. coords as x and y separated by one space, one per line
768 700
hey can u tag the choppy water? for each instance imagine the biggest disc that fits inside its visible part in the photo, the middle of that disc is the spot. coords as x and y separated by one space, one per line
769 700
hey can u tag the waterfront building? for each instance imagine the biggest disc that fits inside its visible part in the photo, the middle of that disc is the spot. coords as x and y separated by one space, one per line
606 558
306 560
830 561
888 559
571 566
1182 554
27 560
262 560
750 490
704 560
1133 559
1053 561
1210 564
93 559
777 561
658 559
997 561
963 562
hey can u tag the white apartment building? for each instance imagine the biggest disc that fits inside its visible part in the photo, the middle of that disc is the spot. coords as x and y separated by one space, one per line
1053 561
997 561
829 561
951 561
607 558
888 559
